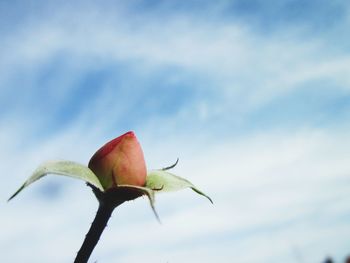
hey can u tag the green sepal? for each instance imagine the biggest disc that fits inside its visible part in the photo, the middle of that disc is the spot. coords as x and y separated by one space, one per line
66 168
114 197
145 191
163 181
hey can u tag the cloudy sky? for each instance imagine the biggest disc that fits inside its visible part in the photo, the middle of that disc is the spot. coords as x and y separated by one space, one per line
252 96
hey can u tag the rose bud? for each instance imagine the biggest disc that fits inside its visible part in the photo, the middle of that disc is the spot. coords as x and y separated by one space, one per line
120 162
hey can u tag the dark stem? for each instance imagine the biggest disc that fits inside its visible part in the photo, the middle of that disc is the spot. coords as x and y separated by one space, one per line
103 214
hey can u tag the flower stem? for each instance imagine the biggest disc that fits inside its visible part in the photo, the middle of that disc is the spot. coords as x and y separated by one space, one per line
103 214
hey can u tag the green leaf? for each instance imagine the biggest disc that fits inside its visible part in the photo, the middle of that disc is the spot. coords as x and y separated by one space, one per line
162 181
67 168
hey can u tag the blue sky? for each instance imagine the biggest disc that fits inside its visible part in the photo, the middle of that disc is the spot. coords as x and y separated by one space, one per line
252 96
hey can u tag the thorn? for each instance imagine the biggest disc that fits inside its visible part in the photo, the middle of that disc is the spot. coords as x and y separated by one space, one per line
171 166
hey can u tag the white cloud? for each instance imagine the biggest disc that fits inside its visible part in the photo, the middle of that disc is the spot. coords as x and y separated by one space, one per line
271 192
274 192
232 57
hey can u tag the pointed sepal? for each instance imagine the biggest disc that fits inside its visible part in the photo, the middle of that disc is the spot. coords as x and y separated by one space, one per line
66 168
144 191
163 181
116 196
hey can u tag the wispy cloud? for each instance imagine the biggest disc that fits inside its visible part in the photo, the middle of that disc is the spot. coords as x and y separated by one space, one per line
257 113
66 58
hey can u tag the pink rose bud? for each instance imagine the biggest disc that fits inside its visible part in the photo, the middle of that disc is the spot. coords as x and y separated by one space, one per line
120 162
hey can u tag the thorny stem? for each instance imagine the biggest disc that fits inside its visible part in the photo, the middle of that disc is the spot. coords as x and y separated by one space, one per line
103 214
